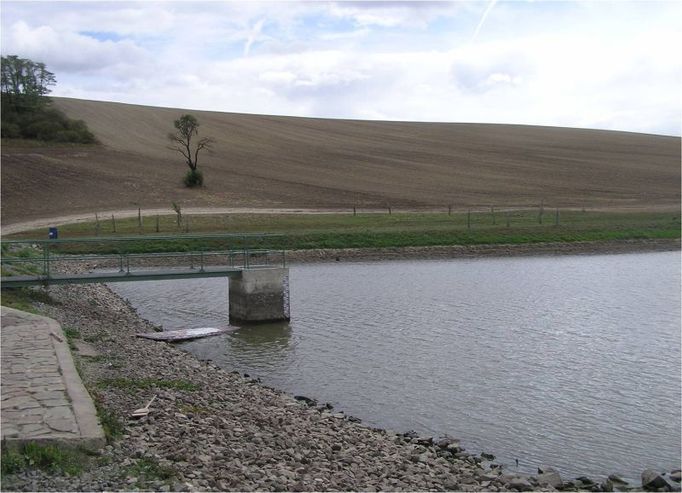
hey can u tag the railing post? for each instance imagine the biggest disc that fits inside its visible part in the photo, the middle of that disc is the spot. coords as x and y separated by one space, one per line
201 260
120 263
46 256
128 264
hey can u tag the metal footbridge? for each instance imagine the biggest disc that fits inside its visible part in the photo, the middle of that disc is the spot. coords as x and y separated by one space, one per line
47 262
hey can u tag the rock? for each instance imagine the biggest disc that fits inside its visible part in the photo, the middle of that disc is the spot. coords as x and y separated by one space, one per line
671 484
652 480
520 484
487 456
425 440
310 402
676 475
617 479
551 478
445 441
543 469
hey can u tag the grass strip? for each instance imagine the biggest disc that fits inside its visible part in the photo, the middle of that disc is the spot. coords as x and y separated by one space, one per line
325 231
51 458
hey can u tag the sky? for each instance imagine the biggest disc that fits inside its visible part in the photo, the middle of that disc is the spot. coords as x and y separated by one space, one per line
588 64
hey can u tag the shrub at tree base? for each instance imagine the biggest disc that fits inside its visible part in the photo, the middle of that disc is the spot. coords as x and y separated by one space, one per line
194 178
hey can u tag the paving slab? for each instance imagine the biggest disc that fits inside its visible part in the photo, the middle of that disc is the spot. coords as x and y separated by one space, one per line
42 396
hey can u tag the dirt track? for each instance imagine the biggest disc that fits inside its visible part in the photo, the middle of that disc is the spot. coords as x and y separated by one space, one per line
266 162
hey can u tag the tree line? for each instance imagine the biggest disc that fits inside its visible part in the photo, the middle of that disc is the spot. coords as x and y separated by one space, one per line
26 110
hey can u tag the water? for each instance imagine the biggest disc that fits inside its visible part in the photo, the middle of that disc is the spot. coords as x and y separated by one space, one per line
568 361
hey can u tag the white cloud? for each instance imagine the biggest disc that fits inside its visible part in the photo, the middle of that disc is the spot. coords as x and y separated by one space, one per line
70 52
577 64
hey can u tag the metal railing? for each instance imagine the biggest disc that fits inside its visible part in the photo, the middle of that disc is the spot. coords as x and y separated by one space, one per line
39 262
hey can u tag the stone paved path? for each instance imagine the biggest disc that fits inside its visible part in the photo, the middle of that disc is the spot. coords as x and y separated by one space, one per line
43 398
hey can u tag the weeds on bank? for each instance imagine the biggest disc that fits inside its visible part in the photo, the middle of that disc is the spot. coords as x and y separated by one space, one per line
23 298
51 458
189 408
111 424
71 334
147 383
149 469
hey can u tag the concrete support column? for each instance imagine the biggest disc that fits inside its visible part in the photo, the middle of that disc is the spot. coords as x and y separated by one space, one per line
260 295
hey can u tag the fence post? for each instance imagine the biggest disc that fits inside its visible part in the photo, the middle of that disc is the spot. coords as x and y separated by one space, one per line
469 219
157 223
449 209
492 212
541 211
96 224
508 214
556 220
113 222
139 217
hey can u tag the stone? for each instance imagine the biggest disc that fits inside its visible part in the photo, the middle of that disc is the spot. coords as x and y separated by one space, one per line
544 468
487 456
676 475
425 440
652 480
307 400
552 479
520 484
617 479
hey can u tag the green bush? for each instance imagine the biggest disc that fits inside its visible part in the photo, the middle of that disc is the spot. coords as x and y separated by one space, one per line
44 123
194 178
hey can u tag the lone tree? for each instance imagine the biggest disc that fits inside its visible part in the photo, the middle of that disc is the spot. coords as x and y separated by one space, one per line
187 127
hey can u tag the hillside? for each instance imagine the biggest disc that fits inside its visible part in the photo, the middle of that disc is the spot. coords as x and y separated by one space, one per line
268 161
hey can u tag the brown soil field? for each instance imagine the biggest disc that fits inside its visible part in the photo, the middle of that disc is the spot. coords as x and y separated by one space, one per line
275 162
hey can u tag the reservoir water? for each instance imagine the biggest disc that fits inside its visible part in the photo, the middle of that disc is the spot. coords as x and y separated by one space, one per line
570 361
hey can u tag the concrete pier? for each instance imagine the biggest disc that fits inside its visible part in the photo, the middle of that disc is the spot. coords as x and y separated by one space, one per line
260 295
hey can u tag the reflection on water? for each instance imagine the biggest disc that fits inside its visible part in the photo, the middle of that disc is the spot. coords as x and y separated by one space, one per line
268 344
569 361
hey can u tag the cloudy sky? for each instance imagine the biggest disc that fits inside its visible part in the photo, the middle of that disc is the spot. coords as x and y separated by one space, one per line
593 64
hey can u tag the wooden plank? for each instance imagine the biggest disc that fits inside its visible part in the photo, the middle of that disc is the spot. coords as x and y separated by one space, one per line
186 334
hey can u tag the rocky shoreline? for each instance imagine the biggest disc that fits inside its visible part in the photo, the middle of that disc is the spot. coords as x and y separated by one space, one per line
476 251
214 430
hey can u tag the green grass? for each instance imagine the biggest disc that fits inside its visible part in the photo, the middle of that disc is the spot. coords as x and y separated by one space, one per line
23 298
51 458
314 231
147 383
111 424
71 335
